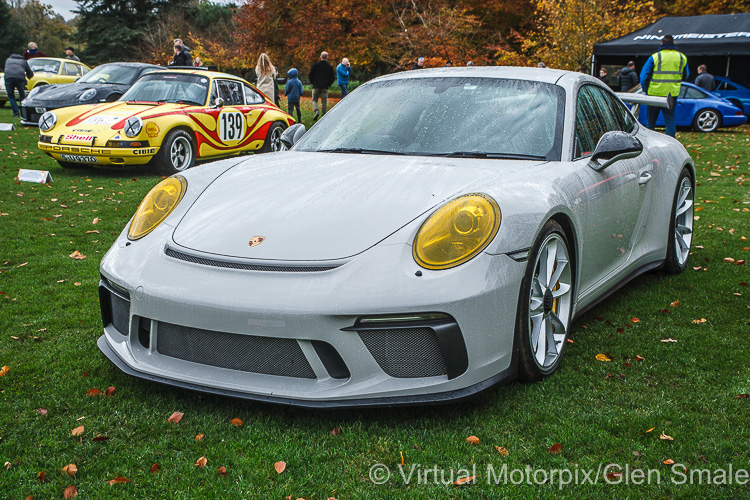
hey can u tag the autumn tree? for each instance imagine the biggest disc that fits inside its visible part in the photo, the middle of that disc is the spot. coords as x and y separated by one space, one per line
42 25
12 34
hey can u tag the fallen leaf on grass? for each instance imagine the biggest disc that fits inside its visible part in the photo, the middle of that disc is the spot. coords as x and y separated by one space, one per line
639 358
93 392
637 454
668 461
569 341
465 480
279 467
222 471
199 437
155 468
669 341
175 417
613 476
699 321
70 492
602 357
4 370
201 462
77 283
109 391
555 448
100 438
118 479
664 437
93 231
236 422
743 396
77 255
21 265
503 451
472 440
336 431
95 221
77 431
729 259
635 320
651 429
41 476
70 470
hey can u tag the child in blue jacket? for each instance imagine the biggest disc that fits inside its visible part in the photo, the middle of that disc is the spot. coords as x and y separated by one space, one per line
293 92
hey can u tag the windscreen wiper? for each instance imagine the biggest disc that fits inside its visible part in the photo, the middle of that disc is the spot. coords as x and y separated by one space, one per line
484 154
360 151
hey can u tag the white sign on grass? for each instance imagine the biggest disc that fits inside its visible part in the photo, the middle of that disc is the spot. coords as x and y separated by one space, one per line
5 127
40 176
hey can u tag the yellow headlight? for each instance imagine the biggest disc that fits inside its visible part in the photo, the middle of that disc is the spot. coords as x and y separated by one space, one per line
457 231
156 206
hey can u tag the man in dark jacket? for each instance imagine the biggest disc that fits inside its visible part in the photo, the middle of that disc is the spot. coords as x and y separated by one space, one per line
628 77
705 80
16 72
321 77
181 57
32 52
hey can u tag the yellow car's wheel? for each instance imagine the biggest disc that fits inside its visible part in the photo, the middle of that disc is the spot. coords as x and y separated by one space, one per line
177 153
273 138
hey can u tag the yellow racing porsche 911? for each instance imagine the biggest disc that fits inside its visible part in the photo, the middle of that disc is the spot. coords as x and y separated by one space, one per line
170 118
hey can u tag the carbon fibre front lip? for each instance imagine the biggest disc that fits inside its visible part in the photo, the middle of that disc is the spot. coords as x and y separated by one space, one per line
458 395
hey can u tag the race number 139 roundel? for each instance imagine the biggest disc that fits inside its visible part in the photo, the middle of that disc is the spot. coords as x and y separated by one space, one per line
231 126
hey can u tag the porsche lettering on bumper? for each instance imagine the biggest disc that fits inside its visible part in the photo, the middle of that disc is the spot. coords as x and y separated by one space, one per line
104 156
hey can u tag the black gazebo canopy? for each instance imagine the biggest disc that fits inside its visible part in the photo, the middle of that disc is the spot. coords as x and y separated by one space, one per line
720 41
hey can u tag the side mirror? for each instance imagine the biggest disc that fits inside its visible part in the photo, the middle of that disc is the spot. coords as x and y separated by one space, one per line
292 135
612 147
218 103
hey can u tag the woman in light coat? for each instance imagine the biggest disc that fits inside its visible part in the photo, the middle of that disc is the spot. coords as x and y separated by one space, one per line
266 74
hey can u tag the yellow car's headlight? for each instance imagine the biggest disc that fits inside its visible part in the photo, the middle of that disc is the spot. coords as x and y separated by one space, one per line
456 232
156 206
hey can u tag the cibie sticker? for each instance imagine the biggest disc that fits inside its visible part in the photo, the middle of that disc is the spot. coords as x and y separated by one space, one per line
231 126
102 120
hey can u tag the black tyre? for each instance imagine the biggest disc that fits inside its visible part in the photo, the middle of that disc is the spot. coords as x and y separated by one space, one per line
273 139
680 236
706 120
545 304
177 153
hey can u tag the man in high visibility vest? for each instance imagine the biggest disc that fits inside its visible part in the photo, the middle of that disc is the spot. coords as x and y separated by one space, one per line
662 75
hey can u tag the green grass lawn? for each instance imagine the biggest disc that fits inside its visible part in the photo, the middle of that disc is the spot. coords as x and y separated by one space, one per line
599 412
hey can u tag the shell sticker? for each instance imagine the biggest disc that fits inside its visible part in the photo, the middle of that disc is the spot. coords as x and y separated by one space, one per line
152 129
257 240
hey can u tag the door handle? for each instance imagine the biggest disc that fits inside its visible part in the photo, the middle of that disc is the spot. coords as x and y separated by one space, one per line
644 178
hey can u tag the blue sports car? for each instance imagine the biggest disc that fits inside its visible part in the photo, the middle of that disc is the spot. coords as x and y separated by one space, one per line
737 94
701 110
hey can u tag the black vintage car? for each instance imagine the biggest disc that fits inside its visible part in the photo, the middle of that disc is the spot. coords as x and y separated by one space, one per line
104 83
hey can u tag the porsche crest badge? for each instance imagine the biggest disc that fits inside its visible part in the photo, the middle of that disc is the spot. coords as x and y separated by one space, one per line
257 240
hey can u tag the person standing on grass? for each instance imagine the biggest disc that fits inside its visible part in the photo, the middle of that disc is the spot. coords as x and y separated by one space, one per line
661 76
32 52
628 77
705 80
17 69
266 73
293 93
321 77
343 73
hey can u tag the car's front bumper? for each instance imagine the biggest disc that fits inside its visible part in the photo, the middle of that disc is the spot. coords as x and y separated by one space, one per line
216 320
100 155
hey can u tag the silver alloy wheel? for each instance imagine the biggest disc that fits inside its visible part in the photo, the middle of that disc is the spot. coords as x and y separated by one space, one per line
181 153
707 120
276 144
550 301
683 221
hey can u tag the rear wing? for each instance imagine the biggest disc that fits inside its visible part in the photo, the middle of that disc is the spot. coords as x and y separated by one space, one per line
649 100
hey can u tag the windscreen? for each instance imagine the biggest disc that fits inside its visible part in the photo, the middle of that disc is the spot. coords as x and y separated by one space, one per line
169 87
111 73
443 115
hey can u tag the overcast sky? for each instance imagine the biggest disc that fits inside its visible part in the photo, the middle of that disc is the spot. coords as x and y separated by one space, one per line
63 7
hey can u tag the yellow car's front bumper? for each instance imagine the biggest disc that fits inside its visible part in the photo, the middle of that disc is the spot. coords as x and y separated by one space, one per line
99 155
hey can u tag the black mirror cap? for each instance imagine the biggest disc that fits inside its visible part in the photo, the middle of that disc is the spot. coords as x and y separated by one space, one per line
292 134
617 143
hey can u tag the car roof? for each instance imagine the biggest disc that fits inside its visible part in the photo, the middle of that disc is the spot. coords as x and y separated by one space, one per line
61 59
210 74
544 75
136 64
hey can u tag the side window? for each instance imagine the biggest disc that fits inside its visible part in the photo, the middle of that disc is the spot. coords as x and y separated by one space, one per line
728 86
252 96
683 92
692 93
72 69
231 92
84 70
595 114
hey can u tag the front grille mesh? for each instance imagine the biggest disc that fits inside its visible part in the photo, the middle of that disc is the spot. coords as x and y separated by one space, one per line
405 352
247 353
247 267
